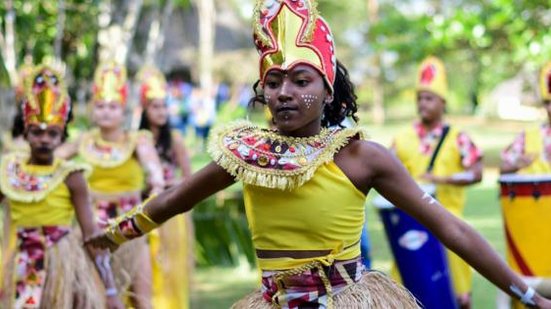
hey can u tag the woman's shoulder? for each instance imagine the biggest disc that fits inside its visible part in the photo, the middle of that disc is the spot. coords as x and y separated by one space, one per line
365 151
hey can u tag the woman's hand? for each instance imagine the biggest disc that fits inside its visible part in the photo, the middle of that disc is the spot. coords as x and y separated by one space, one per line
101 241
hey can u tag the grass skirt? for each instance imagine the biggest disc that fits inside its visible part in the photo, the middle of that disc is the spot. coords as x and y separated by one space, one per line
126 264
71 279
374 290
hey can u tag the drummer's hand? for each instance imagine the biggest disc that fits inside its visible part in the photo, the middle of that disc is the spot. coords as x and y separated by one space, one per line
543 303
434 179
525 160
101 241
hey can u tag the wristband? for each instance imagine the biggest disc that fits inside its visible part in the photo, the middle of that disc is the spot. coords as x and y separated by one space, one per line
132 224
527 298
111 292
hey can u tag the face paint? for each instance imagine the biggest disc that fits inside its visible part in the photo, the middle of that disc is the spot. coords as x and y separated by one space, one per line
308 99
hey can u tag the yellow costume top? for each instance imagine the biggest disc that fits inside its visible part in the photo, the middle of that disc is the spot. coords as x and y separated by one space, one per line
115 168
296 197
457 153
37 194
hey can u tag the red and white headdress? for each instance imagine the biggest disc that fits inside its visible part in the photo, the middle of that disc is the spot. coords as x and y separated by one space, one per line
291 32
46 100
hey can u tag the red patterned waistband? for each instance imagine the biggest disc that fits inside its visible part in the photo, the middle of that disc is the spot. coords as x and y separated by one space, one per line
311 285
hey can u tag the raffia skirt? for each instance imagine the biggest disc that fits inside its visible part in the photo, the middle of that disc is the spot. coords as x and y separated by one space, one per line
373 290
128 261
71 278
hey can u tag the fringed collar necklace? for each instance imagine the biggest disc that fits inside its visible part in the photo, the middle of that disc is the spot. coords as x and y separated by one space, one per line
25 182
264 158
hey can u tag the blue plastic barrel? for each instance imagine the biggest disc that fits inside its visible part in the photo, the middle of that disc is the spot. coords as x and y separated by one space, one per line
420 257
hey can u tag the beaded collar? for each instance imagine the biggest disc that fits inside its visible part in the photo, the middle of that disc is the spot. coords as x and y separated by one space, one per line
264 158
99 152
24 182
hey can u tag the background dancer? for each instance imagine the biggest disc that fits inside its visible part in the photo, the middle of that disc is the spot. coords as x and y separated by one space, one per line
119 159
45 265
171 245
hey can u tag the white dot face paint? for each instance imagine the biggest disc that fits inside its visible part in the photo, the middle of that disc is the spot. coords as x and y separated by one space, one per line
308 99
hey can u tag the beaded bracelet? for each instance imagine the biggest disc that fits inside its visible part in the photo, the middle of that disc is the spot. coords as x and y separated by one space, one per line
133 224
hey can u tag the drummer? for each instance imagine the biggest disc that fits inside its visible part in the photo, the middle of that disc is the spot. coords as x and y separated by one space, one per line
530 152
458 162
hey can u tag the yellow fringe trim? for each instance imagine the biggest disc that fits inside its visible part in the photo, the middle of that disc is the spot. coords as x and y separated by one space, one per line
272 178
59 171
127 147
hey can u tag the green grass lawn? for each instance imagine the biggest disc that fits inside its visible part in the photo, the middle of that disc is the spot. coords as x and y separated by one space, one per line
220 287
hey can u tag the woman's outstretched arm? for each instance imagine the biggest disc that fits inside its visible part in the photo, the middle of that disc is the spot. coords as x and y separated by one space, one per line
183 197
178 199
391 180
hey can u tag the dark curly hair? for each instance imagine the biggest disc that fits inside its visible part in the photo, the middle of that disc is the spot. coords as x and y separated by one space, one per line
164 143
343 104
18 125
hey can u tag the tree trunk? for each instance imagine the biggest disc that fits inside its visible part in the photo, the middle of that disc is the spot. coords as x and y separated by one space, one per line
378 112
157 31
129 29
207 14
115 39
60 29
7 43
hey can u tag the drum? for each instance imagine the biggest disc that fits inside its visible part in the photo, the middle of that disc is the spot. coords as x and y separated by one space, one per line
526 206
420 257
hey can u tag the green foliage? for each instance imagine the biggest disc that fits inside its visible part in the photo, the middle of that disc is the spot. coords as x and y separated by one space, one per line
221 231
482 42
36 29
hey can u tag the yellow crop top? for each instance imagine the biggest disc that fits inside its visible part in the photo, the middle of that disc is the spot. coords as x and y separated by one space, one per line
326 213
296 197
37 194
115 168
534 145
